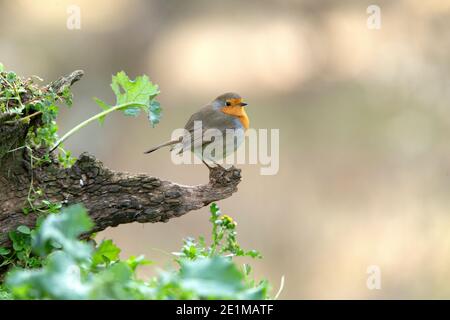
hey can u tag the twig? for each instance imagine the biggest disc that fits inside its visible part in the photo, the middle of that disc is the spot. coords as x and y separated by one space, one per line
24 118
96 117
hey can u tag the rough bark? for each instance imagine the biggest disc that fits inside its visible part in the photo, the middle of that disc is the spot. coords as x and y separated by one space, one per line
112 198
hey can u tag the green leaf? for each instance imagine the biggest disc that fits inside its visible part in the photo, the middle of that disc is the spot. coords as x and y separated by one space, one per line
253 254
2 67
134 262
4 251
18 240
60 279
132 97
215 212
256 293
102 105
17 246
216 277
154 114
24 229
106 252
64 229
112 283
11 76
67 96
22 256
140 91
69 268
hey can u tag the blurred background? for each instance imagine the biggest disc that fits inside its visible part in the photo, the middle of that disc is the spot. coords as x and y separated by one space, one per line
364 121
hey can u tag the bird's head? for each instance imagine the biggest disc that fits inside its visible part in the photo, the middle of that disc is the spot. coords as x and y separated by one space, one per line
230 103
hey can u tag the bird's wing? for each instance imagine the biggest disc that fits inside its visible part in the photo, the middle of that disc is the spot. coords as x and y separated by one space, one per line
211 119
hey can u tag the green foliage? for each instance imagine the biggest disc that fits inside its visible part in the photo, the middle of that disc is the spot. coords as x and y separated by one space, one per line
223 237
133 96
140 91
106 252
4 293
61 231
25 101
208 278
75 269
155 112
21 252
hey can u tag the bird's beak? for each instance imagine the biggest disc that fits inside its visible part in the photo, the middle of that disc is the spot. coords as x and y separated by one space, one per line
243 104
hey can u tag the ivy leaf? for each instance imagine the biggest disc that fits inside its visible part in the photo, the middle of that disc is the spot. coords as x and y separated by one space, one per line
60 279
256 293
67 96
62 231
139 91
112 283
24 229
138 95
19 240
11 76
4 251
216 277
106 252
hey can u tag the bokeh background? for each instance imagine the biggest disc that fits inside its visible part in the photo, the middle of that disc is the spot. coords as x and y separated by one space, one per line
364 121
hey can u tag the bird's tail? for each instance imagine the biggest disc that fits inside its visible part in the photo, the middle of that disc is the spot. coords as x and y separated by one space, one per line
169 143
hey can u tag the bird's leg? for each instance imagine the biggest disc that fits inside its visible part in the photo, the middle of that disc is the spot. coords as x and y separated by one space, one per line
215 164
206 164
219 165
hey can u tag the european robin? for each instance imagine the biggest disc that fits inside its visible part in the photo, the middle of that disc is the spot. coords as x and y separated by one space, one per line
222 114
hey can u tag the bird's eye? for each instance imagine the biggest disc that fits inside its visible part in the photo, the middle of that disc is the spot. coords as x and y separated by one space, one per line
228 103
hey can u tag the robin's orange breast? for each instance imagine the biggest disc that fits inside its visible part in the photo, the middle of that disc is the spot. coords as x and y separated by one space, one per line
238 112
